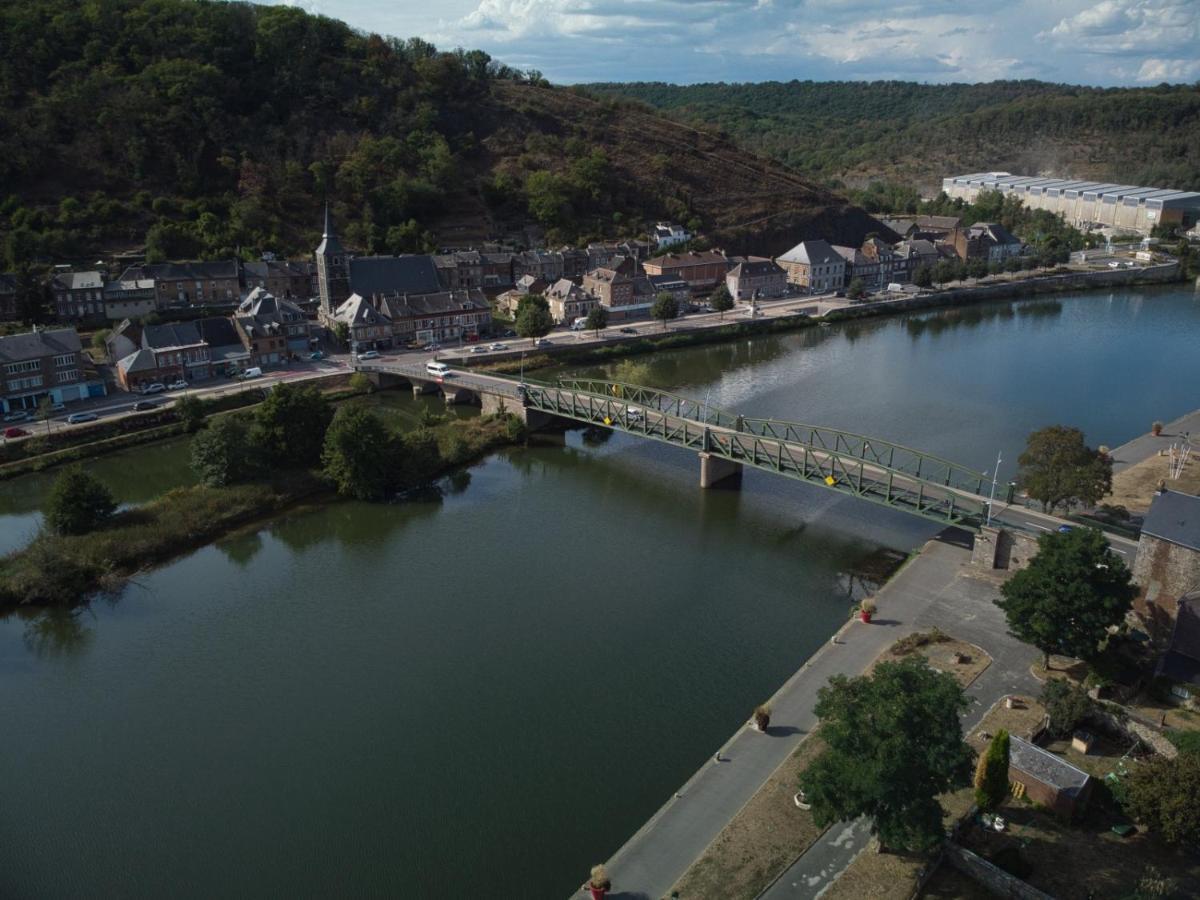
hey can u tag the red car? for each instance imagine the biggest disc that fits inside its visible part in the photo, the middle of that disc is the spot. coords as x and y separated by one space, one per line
15 432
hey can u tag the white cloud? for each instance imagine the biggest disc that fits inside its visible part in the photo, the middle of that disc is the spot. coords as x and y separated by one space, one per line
1156 70
1131 27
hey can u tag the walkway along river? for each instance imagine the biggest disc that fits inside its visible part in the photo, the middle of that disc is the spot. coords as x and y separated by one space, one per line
497 687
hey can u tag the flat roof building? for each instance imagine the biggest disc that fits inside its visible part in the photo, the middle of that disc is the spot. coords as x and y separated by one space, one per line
1081 203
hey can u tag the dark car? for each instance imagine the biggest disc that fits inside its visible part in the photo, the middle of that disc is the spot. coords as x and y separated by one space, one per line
143 405
510 333
15 432
628 330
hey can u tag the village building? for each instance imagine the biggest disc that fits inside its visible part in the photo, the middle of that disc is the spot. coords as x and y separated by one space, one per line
394 320
78 296
507 302
284 278
190 283
613 289
42 364
667 235
1167 565
988 241
568 301
756 277
814 266
226 350
882 254
679 289
701 270
1048 779
908 256
271 329
129 299
859 265
1180 664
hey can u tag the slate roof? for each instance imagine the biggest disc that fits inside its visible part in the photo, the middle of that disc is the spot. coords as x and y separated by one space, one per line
183 271
370 275
812 253
37 344
356 310
1181 662
755 267
138 361
78 281
1174 517
174 334
330 245
218 331
261 303
564 289
436 304
668 283
708 257
1046 767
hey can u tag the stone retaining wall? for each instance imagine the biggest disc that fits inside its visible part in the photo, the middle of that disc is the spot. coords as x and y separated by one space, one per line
990 876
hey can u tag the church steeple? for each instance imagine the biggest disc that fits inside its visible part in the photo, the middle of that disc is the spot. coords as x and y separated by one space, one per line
333 269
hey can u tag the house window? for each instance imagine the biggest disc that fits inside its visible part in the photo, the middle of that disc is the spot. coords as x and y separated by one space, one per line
69 375
32 365
66 360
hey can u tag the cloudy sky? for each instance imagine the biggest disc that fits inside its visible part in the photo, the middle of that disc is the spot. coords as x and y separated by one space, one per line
1112 42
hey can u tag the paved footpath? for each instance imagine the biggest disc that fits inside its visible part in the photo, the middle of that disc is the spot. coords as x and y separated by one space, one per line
654 858
964 608
1147 445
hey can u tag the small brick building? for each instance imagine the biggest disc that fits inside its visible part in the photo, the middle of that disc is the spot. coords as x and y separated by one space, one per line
1048 779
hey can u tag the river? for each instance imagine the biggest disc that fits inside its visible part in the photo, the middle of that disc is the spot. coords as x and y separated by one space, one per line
488 690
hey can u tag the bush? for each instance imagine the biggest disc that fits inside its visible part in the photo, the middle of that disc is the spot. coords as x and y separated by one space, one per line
1066 704
359 454
224 454
78 503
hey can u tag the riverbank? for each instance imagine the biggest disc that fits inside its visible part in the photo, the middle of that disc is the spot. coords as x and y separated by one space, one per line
62 570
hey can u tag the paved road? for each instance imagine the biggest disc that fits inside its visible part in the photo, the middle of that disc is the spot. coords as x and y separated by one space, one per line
1147 445
654 858
963 608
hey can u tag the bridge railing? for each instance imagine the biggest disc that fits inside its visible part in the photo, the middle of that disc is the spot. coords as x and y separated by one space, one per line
651 398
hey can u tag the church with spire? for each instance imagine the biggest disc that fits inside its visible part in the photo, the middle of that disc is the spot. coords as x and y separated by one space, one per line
333 271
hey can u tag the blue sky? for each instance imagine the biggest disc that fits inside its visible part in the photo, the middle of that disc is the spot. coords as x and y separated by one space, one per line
1113 42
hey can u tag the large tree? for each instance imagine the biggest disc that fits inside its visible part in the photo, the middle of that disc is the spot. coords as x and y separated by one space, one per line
78 503
289 426
1058 468
1073 591
665 308
533 316
894 744
1165 795
597 319
224 454
721 300
359 454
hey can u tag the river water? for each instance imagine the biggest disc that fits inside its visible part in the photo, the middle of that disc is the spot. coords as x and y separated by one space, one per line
491 688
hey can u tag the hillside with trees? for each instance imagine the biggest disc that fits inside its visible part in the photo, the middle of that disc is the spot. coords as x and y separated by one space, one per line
201 129
915 134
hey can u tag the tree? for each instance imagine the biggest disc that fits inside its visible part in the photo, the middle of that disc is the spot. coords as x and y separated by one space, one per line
359 454
664 308
98 339
857 288
289 426
923 277
894 744
1073 591
191 412
45 411
360 382
533 316
1067 705
420 458
341 333
1058 468
223 453
78 503
991 774
721 300
597 319
1164 794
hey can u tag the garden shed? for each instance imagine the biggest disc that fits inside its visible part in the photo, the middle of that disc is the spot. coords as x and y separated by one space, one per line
1048 779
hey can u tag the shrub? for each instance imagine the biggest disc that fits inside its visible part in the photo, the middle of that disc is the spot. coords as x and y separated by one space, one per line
991 774
78 503
1066 704
223 454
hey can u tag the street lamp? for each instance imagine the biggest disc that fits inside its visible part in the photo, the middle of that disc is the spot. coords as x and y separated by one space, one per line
992 498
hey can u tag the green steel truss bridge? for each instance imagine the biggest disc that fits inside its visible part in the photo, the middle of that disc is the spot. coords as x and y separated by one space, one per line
869 468
877 470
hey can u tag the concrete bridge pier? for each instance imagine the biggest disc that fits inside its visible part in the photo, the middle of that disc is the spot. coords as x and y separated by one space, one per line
423 387
717 471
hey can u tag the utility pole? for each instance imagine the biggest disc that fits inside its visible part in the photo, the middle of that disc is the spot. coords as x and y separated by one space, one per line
992 498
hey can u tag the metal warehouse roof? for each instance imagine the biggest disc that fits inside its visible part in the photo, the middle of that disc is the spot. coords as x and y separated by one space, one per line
1041 184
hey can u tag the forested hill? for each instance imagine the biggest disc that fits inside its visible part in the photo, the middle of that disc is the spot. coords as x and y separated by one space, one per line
918 133
201 128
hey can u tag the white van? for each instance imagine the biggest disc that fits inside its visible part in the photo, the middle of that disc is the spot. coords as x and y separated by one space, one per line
440 370
579 324
253 372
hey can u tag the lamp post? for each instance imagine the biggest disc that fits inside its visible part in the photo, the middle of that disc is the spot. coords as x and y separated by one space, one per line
992 498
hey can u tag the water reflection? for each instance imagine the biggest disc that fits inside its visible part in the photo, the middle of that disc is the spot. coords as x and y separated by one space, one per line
58 632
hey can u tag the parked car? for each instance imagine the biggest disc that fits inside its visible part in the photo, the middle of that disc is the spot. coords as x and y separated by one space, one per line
18 415
316 354
178 385
510 333
479 349
155 387
369 354
79 417
143 405
15 432
58 407
432 346
543 342
497 346
627 330
252 372
1065 529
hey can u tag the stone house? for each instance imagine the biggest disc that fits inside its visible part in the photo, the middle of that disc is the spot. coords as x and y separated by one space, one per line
190 283
568 301
574 263
613 289
78 297
667 234
506 303
884 257
543 264
42 364
228 353
673 285
1048 779
1180 664
394 320
129 299
756 277
911 255
178 349
497 269
284 278
369 329
701 270
1167 565
814 266
988 241
271 329
859 265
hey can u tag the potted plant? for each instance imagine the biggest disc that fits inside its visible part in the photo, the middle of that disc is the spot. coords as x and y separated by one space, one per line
761 717
599 884
1156 429
866 609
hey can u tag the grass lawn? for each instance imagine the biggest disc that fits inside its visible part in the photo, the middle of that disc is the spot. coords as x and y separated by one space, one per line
1134 486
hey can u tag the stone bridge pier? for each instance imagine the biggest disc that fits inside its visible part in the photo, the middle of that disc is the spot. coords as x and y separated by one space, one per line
534 419
717 471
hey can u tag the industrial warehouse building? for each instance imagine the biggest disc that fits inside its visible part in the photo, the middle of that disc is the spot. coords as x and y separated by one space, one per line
1086 202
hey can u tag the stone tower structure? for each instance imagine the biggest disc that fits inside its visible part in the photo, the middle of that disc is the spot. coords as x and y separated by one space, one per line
333 270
